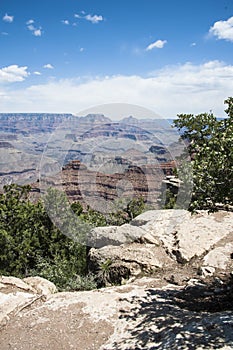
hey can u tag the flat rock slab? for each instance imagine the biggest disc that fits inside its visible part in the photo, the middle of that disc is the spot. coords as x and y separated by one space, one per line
114 235
12 303
135 316
184 235
17 294
198 235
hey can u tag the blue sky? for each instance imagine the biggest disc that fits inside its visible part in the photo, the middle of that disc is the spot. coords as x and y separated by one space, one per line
171 56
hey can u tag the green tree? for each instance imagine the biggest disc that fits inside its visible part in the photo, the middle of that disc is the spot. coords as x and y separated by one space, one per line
210 145
31 244
48 238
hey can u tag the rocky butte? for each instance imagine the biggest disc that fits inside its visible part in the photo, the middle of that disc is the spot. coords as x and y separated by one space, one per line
175 276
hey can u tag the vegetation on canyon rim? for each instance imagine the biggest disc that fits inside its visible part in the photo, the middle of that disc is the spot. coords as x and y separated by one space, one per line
210 146
32 245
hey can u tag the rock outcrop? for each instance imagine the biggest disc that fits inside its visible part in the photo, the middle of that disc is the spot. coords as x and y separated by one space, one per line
184 300
164 239
17 294
141 315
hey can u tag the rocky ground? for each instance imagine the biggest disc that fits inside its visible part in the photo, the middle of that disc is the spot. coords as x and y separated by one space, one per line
179 294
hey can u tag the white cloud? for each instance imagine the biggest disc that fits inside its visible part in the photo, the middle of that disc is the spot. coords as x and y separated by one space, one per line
186 88
65 21
223 29
193 44
30 21
94 19
37 73
91 18
81 49
48 66
13 73
159 44
31 27
8 18
35 31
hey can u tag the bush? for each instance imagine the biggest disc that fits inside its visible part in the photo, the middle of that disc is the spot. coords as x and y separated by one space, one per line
32 245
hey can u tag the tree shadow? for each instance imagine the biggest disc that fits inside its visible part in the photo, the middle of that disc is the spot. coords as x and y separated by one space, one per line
196 317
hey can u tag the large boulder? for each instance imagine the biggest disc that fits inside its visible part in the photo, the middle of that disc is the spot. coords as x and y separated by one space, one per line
114 235
218 259
198 235
158 239
162 225
116 263
184 235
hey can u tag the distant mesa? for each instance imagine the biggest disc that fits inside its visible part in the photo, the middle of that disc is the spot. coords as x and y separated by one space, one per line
130 120
117 130
95 118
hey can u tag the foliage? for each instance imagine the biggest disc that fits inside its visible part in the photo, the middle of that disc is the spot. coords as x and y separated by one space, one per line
31 244
103 276
124 212
135 207
64 275
209 143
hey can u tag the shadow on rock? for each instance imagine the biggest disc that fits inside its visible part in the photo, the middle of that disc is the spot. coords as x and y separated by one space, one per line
194 317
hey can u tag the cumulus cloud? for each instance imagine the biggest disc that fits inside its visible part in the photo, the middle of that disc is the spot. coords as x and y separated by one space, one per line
94 19
35 31
48 66
8 18
13 73
65 21
159 44
37 73
223 29
30 21
186 88
91 18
